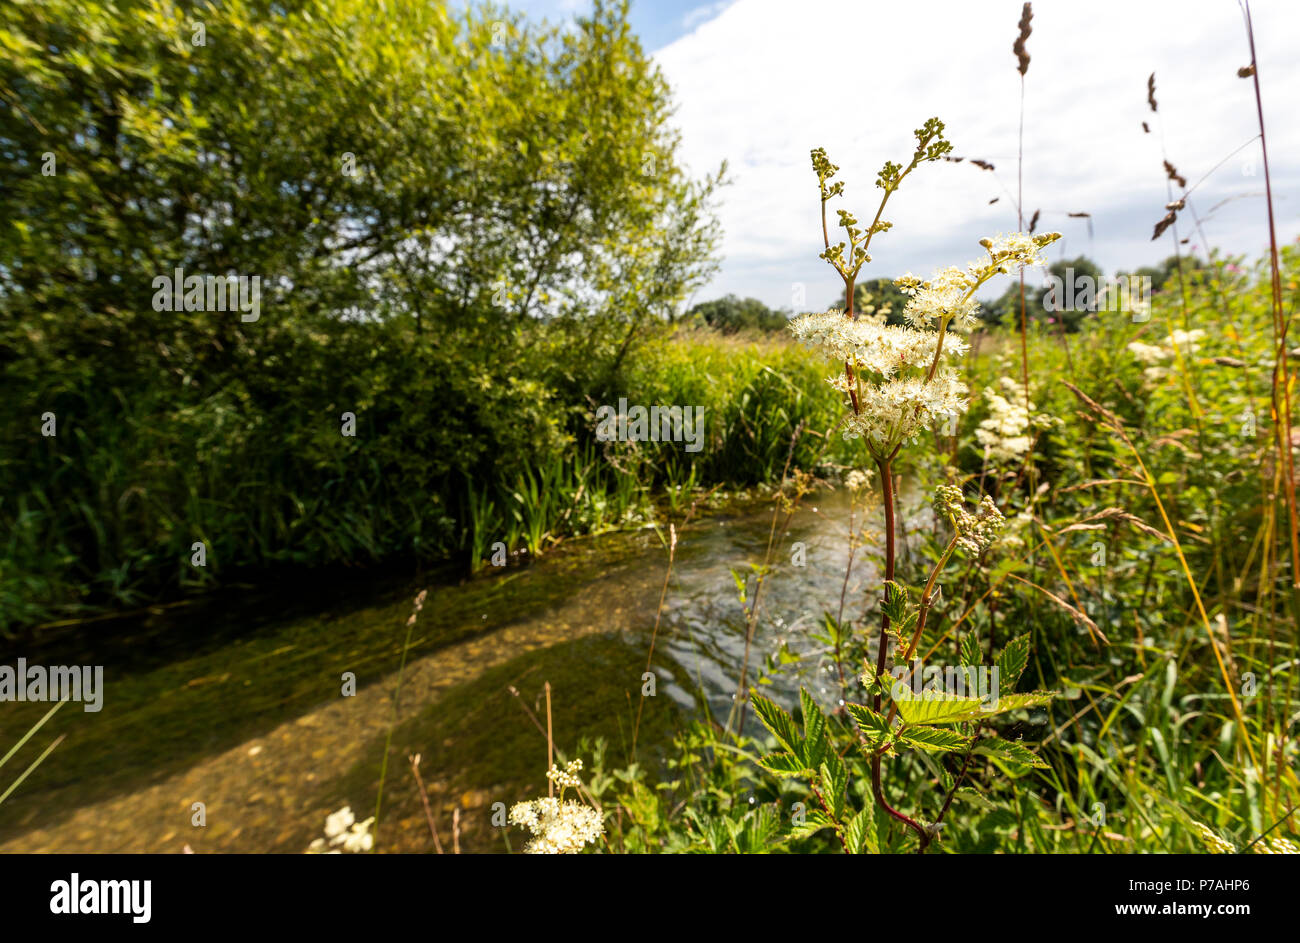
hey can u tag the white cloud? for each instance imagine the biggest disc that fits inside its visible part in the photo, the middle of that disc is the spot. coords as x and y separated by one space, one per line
766 80
695 17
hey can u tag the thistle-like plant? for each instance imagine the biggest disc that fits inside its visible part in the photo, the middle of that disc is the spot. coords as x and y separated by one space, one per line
899 381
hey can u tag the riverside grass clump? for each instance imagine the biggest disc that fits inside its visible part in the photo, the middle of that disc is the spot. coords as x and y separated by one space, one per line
70 560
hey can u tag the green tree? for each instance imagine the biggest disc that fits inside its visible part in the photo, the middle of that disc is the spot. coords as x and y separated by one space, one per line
463 223
730 314
1078 279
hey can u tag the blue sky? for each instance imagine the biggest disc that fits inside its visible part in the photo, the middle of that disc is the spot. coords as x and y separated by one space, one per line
656 22
760 82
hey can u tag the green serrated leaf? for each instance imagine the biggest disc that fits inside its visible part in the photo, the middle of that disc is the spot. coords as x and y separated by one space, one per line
814 730
895 605
872 724
759 827
936 707
933 739
974 798
1012 660
782 764
970 650
835 780
1010 702
860 835
901 628
780 723
813 821
1015 758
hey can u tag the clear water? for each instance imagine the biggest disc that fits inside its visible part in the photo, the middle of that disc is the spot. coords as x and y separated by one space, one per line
236 703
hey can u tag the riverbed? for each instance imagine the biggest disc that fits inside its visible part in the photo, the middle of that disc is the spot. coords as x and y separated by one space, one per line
235 707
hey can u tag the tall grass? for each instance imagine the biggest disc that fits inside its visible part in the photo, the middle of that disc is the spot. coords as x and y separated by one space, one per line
105 516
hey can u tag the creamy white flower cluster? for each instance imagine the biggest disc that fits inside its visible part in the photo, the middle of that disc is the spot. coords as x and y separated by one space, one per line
1005 433
880 348
897 378
344 833
900 408
974 531
559 827
949 295
1215 844
1156 356
1277 846
897 402
857 479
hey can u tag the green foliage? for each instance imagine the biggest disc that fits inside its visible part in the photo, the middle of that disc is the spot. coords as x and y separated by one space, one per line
731 314
433 258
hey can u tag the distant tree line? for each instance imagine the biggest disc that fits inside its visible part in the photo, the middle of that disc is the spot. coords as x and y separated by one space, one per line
731 313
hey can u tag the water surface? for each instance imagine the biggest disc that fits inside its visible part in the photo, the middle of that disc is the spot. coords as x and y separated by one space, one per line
236 704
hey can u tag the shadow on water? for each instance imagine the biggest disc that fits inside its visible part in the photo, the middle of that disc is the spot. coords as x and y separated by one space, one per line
237 704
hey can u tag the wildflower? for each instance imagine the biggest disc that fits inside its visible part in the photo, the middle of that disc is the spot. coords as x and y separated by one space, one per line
559 827
344 833
949 295
339 822
975 532
857 479
1147 353
897 410
1004 434
898 379
1156 356
874 347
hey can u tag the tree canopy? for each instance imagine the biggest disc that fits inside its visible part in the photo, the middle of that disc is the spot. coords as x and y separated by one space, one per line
463 224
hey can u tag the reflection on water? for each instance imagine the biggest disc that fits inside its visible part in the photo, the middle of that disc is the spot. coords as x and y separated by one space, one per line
237 705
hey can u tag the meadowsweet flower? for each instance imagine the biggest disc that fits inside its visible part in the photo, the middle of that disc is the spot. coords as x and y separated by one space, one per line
1156 357
878 348
344 833
559 827
1005 433
857 479
948 297
339 822
1147 353
899 380
975 532
1018 248
897 410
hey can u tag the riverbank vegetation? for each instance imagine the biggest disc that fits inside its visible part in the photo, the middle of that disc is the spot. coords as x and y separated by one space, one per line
451 289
